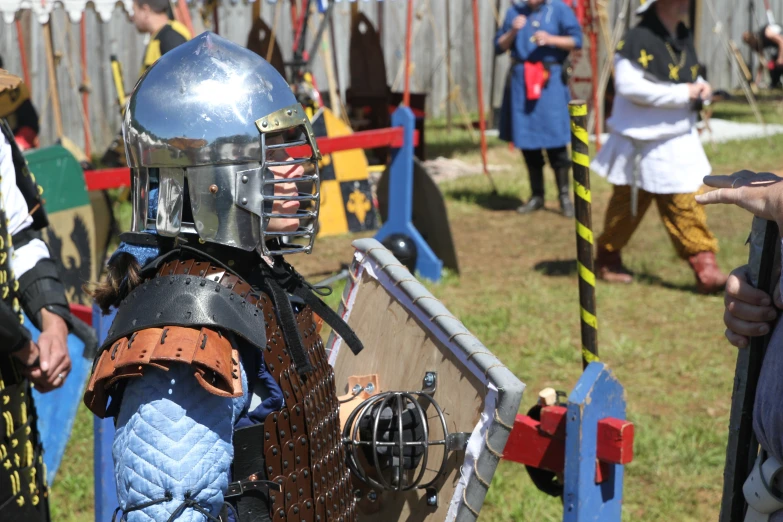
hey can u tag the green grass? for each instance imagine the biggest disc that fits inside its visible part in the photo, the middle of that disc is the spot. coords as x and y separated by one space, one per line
517 292
738 109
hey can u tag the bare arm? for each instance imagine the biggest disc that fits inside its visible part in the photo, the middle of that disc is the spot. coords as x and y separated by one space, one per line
506 39
565 43
778 39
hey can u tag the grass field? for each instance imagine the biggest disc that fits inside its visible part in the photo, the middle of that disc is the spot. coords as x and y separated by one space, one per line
517 292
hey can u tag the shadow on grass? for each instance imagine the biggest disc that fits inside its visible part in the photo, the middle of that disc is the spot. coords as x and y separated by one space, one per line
559 268
488 200
654 280
567 268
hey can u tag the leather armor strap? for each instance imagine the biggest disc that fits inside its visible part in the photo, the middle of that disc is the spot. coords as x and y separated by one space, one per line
214 360
250 484
290 280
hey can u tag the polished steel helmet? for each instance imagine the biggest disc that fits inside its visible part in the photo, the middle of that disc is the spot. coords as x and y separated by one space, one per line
203 129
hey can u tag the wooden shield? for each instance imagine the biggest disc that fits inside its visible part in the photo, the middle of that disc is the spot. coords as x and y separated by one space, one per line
346 198
406 333
367 65
71 233
429 213
258 40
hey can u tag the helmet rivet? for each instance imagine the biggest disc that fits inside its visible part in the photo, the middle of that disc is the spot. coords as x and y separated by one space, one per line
213 189
244 201
288 112
264 124
244 179
277 123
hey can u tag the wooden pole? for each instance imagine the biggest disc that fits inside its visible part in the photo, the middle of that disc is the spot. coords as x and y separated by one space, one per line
273 36
182 15
23 55
51 72
580 155
334 98
594 67
406 97
448 66
494 72
85 88
336 65
480 85
294 15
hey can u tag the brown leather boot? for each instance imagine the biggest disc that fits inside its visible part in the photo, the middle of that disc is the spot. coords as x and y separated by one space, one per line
609 267
709 278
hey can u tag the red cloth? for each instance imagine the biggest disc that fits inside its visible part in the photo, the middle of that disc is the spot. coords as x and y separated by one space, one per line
26 138
536 76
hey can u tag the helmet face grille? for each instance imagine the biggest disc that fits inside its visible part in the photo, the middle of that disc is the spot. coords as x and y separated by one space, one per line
291 183
394 444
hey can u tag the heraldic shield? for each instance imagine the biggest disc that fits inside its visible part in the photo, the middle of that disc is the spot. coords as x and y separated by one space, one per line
426 408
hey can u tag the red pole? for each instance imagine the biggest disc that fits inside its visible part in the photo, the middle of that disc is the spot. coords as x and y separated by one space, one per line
406 98
480 85
23 55
300 26
85 88
215 18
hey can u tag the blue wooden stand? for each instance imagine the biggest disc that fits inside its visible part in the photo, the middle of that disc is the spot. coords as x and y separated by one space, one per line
103 431
401 198
597 395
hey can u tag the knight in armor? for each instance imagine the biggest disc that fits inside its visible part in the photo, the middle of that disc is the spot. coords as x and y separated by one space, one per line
29 284
214 370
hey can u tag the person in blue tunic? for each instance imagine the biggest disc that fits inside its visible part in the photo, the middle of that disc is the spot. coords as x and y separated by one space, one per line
534 115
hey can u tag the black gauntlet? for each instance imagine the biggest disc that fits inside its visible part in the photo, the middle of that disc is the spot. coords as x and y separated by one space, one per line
40 287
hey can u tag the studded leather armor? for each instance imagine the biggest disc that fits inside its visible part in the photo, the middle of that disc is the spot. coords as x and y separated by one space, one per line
293 466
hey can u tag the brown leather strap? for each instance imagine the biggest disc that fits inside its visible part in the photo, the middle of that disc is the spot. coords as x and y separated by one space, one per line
214 360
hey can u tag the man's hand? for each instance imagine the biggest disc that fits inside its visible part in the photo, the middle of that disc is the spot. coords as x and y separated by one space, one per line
706 91
28 355
749 311
542 38
53 346
519 23
699 91
761 194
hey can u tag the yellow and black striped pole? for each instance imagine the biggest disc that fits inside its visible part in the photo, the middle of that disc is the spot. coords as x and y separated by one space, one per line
580 155
119 82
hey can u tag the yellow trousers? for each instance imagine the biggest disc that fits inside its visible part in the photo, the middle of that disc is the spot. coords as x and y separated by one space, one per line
684 219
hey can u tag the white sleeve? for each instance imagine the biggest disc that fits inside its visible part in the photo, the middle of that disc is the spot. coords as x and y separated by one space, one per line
631 84
17 213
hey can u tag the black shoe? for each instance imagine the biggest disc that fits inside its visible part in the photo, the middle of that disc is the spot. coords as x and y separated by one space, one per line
535 203
566 206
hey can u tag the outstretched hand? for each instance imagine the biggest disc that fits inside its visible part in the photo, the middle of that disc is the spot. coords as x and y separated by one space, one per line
761 194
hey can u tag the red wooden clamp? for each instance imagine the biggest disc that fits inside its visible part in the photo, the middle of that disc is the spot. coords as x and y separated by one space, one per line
541 444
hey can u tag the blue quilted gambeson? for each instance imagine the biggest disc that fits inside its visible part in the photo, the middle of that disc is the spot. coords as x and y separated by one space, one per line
172 435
